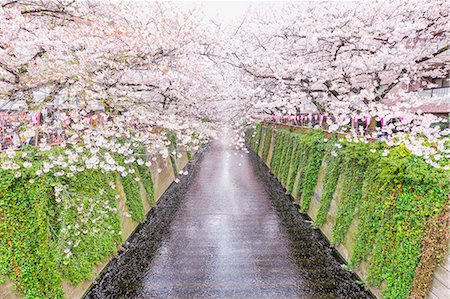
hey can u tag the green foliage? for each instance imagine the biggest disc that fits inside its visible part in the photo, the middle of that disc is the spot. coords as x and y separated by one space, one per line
173 162
132 190
310 151
133 196
295 163
93 208
298 155
266 142
172 138
27 254
394 196
47 236
277 150
278 153
146 176
298 165
205 119
256 139
286 158
333 170
355 160
399 200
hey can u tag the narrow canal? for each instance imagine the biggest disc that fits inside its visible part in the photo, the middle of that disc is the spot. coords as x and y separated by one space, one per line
227 230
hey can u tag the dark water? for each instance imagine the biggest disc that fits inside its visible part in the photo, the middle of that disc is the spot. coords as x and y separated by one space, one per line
227 230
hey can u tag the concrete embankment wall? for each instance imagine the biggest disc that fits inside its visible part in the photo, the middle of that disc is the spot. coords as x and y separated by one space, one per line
265 143
162 179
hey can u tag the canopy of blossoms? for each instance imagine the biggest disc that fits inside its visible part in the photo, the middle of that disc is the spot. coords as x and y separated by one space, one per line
91 74
337 64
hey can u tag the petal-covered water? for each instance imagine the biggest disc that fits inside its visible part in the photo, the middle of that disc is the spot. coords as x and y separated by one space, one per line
227 230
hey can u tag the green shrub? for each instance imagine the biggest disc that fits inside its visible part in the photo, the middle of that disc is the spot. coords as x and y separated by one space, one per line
256 139
55 228
266 143
332 173
394 196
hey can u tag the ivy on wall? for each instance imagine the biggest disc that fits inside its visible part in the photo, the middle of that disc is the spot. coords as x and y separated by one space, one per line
298 163
298 156
266 142
145 175
87 223
256 139
278 142
172 138
332 173
414 194
282 136
294 165
55 228
132 191
286 158
133 195
352 174
395 195
27 254
313 143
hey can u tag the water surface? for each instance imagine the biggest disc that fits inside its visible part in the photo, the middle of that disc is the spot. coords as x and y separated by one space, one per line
227 230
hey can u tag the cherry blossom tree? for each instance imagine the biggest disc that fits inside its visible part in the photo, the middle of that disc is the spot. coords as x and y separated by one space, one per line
98 52
347 60
342 55
112 78
144 63
87 56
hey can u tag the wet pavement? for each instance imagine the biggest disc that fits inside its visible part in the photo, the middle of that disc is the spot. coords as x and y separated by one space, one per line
227 230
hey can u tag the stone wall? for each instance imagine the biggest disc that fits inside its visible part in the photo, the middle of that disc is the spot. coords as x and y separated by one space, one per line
161 181
440 288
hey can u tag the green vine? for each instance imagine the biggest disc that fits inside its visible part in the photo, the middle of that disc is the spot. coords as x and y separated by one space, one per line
100 232
333 170
417 193
295 163
146 176
257 137
266 143
286 159
394 195
276 156
172 137
48 236
355 160
132 191
28 251
312 146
